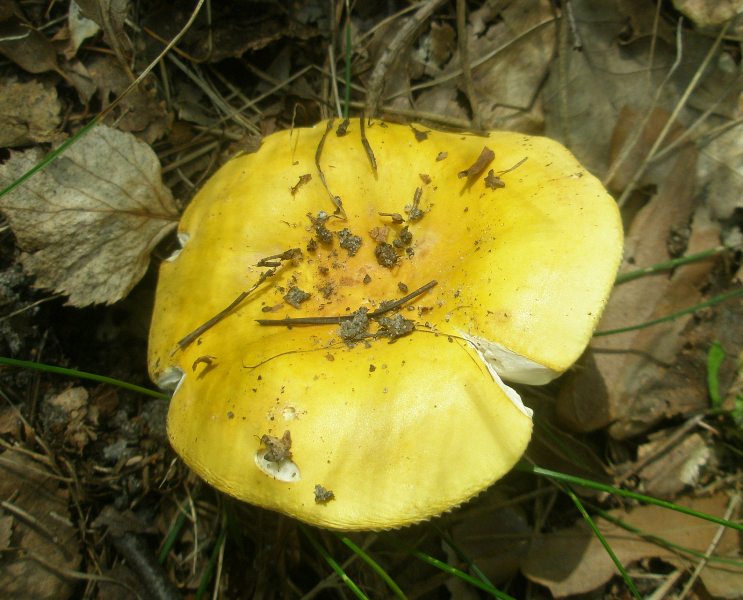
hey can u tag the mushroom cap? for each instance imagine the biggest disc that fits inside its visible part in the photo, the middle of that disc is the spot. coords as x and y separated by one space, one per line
384 431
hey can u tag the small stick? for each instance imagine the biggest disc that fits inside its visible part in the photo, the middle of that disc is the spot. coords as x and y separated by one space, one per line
318 153
516 166
223 313
269 261
366 145
396 217
387 307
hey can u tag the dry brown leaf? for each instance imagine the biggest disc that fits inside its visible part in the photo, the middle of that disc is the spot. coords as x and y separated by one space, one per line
572 561
139 111
494 534
709 13
88 221
626 379
110 15
676 468
80 29
51 537
506 87
585 90
29 112
6 531
721 173
26 46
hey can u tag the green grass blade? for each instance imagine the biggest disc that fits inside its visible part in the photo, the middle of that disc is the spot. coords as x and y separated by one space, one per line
600 536
376 567
27 364
54 154
715 358
49 158
175 530
173 534
333 564
208 573
680 313
671 264
663 543
447 568
564 477
463 556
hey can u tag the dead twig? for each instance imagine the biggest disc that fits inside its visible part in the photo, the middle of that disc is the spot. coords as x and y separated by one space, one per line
182 343
384 308
336 200
732 507
366 145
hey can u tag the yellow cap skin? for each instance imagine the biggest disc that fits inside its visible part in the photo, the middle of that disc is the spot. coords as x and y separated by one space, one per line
384 432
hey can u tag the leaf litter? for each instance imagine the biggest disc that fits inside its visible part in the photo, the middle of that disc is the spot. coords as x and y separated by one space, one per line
88 222
606 79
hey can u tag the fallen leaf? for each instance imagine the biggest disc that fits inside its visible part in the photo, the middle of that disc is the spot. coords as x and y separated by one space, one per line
675 469
507 85
68 419
494 534
585 90
80 29
29 112
708 13
110 15
88 221
625 379
49 533
6 530
572 561
140 111
27 47
721 173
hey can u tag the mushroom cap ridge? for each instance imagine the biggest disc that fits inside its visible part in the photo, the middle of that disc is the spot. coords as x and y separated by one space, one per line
399 431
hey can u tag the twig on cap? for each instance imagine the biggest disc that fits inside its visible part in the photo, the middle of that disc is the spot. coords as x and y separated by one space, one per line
384 308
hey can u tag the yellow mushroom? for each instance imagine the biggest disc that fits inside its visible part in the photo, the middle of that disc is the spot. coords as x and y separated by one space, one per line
426 268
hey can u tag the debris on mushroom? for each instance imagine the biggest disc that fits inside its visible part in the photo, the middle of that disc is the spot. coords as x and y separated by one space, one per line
379 234
322 495
349 241
318 223
396 217
277 449
506 290
404 238
413 210
295 296
493 182
485 158
304 178
356 328
395 326
386 255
